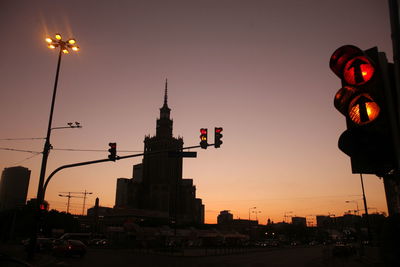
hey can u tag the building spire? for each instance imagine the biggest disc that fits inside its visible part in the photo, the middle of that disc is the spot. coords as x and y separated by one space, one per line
166 93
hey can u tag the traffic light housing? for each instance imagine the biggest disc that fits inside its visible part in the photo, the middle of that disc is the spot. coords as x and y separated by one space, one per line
365 100
113 151
203 138
217 137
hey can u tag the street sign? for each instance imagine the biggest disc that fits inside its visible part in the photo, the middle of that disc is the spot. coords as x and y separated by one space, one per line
181 154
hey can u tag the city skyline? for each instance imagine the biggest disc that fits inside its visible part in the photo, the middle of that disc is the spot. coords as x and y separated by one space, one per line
259 70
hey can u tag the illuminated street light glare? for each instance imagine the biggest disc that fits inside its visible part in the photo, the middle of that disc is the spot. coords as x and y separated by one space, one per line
64 45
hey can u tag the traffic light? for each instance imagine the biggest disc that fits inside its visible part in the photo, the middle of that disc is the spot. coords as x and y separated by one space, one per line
365 101
113 151
203 138
217 137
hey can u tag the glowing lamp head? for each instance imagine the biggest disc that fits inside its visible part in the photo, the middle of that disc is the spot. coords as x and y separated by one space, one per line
75 48
49 40
51 46
58 36
65 51
358 70
72 41
363 109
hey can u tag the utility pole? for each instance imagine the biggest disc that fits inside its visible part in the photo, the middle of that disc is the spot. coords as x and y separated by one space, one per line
85 193
84 200
285 215
69 198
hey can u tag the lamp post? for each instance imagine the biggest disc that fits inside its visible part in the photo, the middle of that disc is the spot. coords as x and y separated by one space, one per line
64 47
256 212
253 208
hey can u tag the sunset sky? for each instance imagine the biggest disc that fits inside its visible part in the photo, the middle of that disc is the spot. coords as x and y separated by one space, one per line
259 69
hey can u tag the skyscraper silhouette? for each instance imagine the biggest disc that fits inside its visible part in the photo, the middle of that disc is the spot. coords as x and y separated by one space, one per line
14 187
157 183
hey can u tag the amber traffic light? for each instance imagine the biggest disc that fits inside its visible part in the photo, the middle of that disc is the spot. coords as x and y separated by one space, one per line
204 138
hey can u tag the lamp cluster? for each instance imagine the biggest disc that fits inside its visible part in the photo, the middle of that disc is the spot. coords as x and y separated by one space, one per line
64 45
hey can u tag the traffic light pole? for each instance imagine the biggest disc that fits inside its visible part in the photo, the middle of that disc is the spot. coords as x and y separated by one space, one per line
46 150
392 181
105 160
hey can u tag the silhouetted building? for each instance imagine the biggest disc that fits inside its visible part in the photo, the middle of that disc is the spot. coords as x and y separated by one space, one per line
324 221
225 217
101 211
299 221
121 196
14 187
157 183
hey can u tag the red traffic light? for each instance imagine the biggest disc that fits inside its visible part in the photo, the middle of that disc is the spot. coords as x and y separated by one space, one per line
113 151
203 138
113 145
358 70
217 137
341 56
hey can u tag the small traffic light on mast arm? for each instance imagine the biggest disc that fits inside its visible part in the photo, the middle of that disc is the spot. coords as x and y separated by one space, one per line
113 151
217 137
203 138
363 100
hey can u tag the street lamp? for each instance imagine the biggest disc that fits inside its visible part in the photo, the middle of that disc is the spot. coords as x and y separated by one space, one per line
64 47
70 125
252 208
256 212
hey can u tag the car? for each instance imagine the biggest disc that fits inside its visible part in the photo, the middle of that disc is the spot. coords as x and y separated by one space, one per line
84 237
100 242
69 248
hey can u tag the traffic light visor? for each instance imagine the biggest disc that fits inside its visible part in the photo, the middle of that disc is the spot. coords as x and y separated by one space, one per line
341 56
343 98
113 145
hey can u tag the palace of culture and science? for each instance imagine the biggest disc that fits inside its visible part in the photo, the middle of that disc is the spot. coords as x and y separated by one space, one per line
157 188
